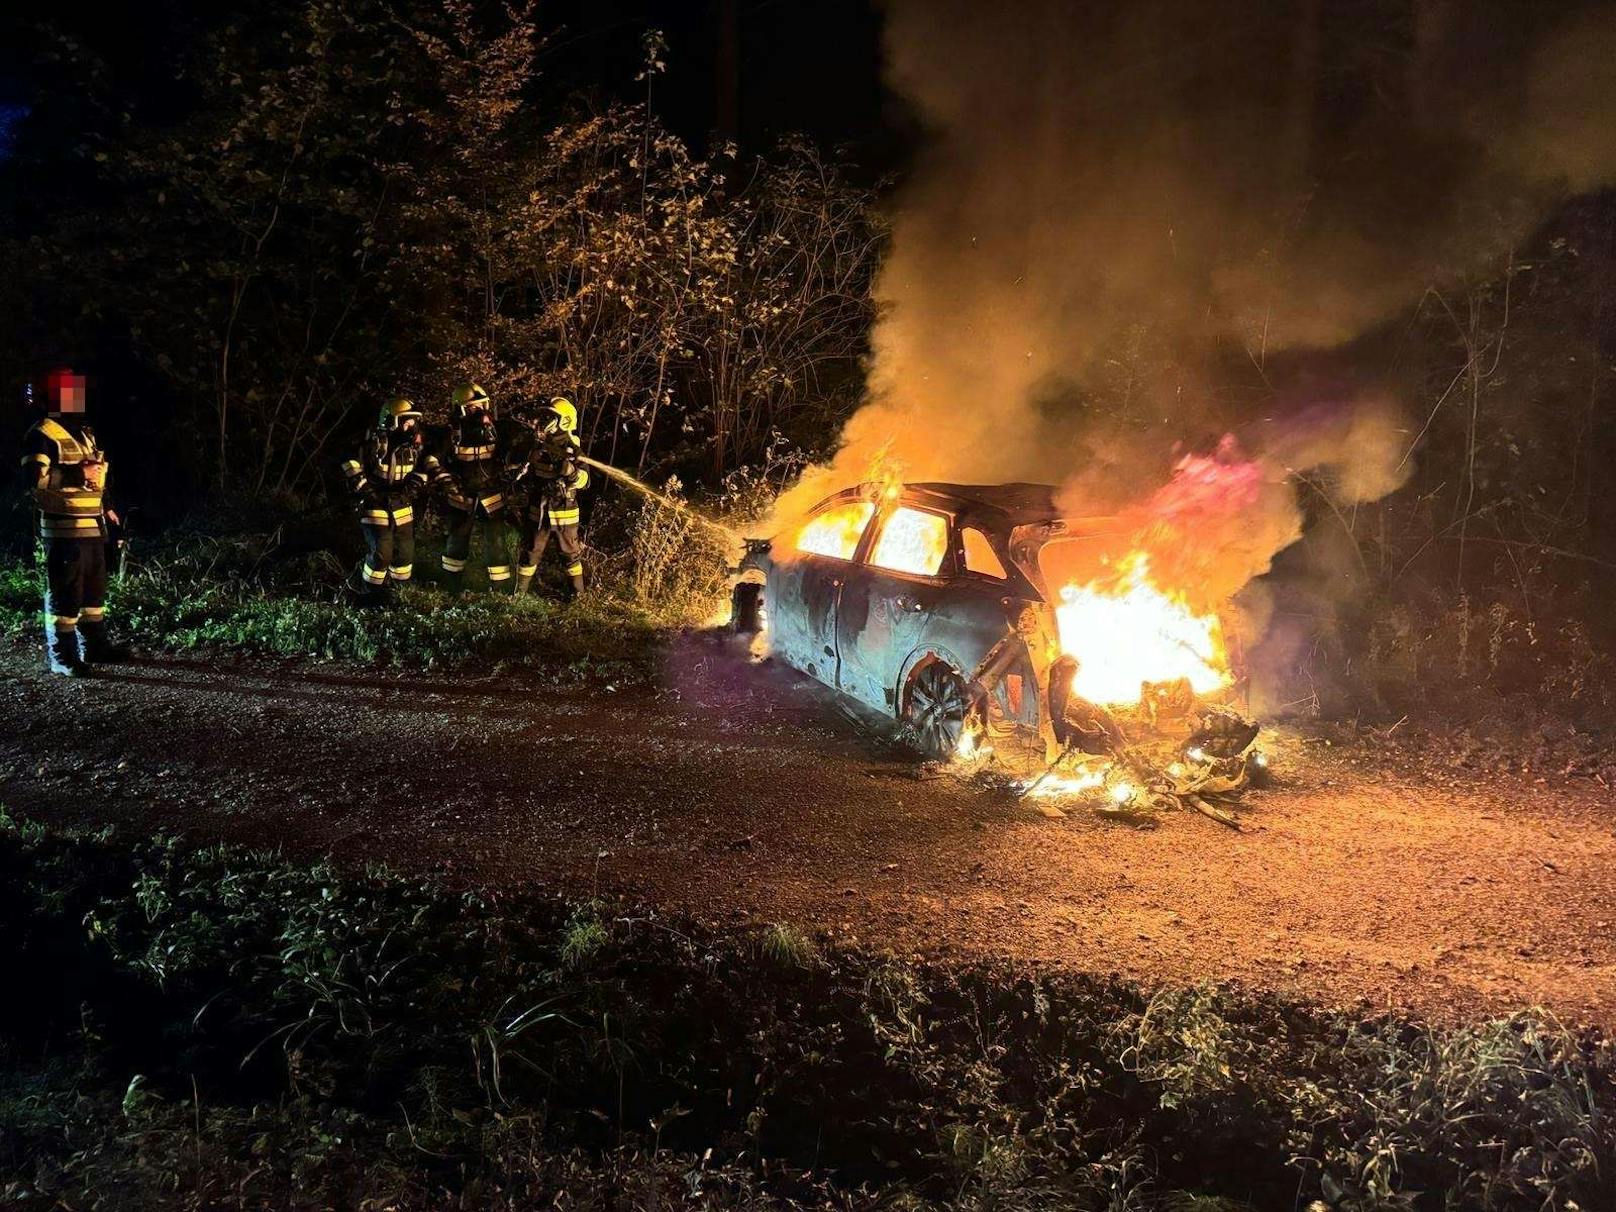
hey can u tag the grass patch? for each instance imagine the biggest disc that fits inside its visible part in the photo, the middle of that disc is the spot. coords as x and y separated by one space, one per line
217 1028
424 629
788 947
280 592
583 936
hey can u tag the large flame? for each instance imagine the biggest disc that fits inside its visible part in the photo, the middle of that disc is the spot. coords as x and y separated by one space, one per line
1126 632
912 540
836 532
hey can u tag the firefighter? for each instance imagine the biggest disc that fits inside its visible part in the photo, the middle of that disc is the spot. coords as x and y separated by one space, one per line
475 497
554 477
390 472
67 474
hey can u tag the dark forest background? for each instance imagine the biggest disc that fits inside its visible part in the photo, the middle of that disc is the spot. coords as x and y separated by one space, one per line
253 223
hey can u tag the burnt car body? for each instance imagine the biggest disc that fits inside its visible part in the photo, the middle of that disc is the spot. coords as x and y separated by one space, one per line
967 643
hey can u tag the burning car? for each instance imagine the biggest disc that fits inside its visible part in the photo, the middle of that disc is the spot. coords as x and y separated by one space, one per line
977 615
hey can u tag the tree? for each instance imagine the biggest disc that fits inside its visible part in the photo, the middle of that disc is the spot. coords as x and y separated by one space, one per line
365 199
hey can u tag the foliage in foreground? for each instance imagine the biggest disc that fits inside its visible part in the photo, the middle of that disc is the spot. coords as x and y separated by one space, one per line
217 1028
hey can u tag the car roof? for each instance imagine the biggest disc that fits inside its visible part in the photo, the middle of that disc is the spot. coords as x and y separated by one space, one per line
1000 507
1013 504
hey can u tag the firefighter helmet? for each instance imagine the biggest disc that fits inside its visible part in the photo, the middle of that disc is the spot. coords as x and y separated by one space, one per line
396 412
566 413
469 396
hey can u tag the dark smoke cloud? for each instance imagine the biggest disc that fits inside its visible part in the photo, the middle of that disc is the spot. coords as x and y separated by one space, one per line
1126 217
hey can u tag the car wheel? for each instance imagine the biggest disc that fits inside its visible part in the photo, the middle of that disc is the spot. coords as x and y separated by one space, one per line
746 609
937 709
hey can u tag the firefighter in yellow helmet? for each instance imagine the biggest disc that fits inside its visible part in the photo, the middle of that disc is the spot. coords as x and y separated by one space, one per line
66 473
476 498
553 476
390 472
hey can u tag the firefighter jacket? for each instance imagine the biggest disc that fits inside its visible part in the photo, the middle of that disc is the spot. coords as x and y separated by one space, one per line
474 444
67 475
553 478
389 473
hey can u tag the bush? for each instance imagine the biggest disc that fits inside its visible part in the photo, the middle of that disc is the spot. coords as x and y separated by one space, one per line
225 1029
676 562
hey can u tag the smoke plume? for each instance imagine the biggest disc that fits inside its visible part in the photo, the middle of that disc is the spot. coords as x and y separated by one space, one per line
1131 226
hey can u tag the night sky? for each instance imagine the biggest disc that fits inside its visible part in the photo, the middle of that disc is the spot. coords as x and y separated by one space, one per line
798 68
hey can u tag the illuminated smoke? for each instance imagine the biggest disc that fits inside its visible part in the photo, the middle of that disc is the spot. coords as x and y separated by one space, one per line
1130 225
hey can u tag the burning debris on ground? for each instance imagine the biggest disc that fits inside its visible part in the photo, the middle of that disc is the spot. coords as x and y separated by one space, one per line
1138 763
1139 699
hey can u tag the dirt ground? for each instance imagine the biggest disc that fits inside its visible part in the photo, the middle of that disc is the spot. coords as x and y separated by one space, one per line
739 793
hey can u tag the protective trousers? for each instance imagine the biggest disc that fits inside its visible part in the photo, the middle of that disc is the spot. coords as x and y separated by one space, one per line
389 545
75 596
490 523
536 534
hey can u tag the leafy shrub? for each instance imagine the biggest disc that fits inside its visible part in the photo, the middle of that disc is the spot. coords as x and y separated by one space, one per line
675 562
1182 1043
229 1029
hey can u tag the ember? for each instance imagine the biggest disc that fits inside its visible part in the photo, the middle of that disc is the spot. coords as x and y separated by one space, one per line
970 745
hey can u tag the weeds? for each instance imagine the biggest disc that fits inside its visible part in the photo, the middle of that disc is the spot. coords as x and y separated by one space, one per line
215 1028
583 936
788 947
1182 1044
674 562
280 591
1496 1115
1466 659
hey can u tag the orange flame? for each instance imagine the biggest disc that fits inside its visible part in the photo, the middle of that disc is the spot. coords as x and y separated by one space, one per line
1058 787
837 531
1125 632
912 541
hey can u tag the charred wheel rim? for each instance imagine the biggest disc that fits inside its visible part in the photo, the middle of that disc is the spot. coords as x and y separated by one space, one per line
937 709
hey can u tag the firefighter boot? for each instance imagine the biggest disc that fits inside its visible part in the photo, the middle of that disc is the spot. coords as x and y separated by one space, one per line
62 653
96 647
576 586
523 580
359 592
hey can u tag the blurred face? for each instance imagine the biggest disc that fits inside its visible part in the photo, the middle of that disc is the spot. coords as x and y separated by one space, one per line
64 391
407 424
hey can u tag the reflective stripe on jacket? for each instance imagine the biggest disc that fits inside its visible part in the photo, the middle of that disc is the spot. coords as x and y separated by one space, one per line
67 474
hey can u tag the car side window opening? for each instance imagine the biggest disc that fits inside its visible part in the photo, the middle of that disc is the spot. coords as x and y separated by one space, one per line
912 540
979 554
836 531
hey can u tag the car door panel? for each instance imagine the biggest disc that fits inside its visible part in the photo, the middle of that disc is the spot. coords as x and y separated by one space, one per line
802 593
806 581
881 619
